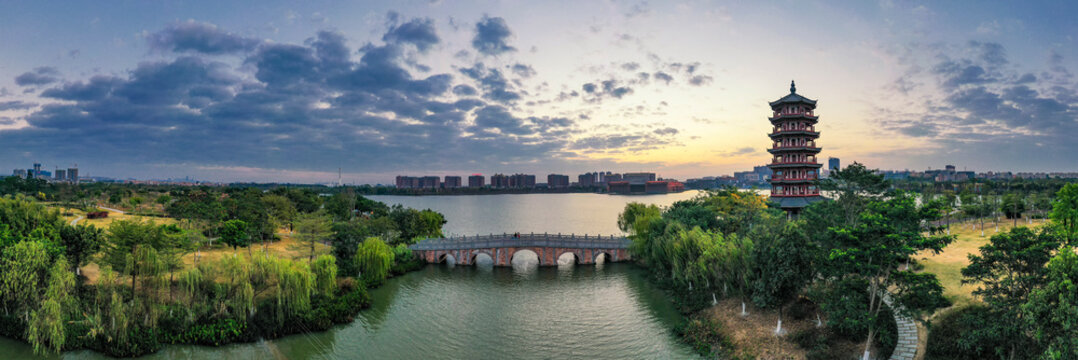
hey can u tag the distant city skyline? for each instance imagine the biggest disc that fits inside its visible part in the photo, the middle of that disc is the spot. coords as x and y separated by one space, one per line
279 91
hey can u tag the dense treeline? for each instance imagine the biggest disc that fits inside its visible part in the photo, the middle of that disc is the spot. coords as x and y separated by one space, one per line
153 287
841 255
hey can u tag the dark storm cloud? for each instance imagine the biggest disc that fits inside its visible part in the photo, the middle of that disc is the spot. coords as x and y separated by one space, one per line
40 76
199 37
418 32
491 36
309 106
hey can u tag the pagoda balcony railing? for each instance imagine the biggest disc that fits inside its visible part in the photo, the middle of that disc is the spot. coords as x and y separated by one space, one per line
779 129
801 113
810 146
779 193
780 162
794 178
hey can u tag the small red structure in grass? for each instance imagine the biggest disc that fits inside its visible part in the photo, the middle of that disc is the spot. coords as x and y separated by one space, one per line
97 215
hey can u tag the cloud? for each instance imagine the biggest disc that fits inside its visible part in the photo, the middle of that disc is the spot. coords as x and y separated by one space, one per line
16 105
523 70
418 32
491 35
43 75
979 106
662 76
199 37
699 80
300 107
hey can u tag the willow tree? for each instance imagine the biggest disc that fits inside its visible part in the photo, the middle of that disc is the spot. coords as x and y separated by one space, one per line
45 330
24 276
294 287
325 272
374 259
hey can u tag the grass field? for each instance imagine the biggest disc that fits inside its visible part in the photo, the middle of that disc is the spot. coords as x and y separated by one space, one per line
287 247
948 264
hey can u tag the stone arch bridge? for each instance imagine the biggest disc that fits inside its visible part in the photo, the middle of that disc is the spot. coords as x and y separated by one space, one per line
501 248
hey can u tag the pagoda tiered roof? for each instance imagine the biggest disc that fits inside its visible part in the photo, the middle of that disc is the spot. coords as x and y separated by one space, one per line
793 98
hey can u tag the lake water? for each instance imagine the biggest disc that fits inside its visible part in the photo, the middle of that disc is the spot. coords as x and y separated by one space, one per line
606 311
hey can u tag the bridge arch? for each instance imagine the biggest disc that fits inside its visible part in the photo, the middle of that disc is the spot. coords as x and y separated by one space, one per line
602 257
525 255
478 255
447 258
574 257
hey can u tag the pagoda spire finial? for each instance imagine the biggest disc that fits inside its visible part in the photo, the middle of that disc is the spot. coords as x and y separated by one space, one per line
793 89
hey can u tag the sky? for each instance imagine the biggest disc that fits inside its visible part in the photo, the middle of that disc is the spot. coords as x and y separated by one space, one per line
287 91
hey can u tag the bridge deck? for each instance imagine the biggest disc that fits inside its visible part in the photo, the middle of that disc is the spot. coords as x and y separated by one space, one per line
525 240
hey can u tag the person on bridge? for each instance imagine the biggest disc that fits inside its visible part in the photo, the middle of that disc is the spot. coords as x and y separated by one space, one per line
516 235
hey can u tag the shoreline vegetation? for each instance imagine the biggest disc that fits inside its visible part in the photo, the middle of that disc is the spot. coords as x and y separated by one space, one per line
218 265
201 266
732 266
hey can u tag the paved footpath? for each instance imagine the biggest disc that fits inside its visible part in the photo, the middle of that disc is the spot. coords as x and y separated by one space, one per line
906 349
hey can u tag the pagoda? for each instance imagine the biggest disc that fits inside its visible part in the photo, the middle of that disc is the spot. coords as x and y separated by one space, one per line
794 167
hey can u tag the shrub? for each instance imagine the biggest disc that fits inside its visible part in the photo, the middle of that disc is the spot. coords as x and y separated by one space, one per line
962 334
802 309
706 336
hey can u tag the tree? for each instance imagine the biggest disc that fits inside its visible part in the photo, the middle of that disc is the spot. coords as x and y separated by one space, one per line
163 200
415 224
783 266
1009 268
1013 206
45 330
348 235
1052 309
869 252
374 259
855 186
342 205
80 242
325 272
234 233
1065 212
311 229
978 208
280 209
135 202
23 277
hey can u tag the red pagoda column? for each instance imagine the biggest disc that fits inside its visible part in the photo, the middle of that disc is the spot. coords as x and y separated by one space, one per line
794 167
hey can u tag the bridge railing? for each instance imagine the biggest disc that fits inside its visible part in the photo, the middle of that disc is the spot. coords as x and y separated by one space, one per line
524 240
